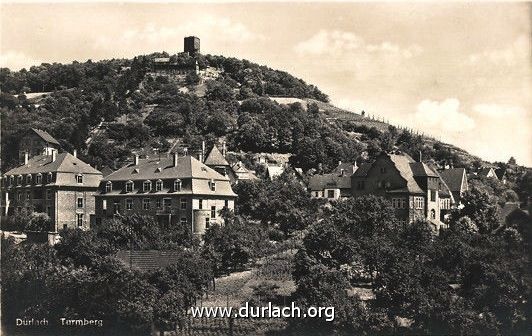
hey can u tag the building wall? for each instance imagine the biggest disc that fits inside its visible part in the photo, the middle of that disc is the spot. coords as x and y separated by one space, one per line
383 173
174 214
67 209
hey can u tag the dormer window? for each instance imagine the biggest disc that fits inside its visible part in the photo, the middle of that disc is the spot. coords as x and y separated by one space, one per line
11 180
38 179
177 185
108 186
28 179
19 180
129 186
159 185
146 186
212 185
49 178
79 178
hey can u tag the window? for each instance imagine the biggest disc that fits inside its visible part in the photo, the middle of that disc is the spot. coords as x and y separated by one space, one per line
433 214
226 204
158 185
213 211
212 185
49 178
129 204
183 221
183 203
104 205
201 204
49 211
146 204
80 219
79 178
177 185
49 194
433 195
330 193
28 195
28 179
129 186
38 179
158 203
379 184
146 186
207 222
80 202
19 180
19 196
403 201
116 207
361 185
394 203
167 203
109 186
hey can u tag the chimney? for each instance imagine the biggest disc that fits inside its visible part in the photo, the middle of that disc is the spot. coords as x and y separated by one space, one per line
223 149
420 157
202 150
54 155
75 153
185 151
26 157
175 156
136 160
339 162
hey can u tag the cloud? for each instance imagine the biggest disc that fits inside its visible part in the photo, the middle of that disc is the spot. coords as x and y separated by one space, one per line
443 116
16 60
154 37
499 111
514 54
337 42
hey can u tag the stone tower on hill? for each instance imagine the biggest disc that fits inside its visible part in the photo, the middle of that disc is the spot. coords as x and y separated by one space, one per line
192 45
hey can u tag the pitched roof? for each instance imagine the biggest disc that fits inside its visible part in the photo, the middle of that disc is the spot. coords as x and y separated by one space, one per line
454 178
149 260
45 136
274 170
403 163
422 169
64 162
215 158
332 181
148 169
486 171
363 170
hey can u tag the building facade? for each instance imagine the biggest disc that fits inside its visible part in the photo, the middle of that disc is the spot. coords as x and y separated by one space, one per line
60 185
415 190
335 185
177 190
192 45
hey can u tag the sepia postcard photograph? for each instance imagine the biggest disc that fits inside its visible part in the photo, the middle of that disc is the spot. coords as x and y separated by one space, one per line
269 168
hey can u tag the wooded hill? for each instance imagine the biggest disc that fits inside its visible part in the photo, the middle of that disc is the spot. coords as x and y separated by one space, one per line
71 100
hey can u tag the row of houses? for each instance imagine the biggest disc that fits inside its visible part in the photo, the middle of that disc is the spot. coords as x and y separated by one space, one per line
415 189
178 189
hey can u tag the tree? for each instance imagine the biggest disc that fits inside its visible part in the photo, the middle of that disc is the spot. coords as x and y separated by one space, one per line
481 208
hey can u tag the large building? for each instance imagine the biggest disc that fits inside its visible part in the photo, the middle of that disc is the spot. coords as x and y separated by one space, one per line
192 45
415 190
37 142
178 190
60 185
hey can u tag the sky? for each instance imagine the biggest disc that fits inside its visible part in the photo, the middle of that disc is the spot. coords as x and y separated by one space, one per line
460 72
